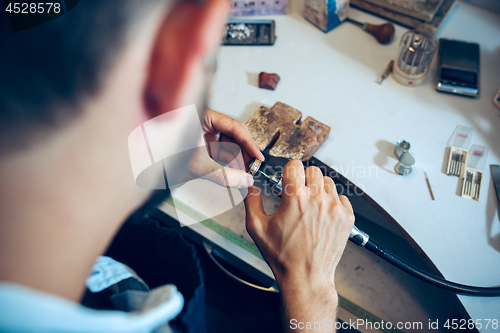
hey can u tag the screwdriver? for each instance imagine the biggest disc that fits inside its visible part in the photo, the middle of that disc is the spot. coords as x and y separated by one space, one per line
384 33
386 73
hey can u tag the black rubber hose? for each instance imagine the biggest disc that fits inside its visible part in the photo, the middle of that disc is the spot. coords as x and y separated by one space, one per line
429 278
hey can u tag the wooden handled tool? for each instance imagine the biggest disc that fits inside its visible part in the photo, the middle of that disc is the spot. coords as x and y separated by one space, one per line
384 33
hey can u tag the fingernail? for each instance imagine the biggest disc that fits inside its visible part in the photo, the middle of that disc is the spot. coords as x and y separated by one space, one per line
247 181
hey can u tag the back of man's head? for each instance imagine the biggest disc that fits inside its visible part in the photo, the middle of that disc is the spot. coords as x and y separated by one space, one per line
47 72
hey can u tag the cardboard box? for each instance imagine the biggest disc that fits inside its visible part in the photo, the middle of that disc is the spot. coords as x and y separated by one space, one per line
326 14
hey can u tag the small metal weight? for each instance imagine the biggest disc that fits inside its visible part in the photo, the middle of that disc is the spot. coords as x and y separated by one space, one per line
404 164
401 147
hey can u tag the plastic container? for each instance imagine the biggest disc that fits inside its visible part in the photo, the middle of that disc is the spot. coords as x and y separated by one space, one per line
416 51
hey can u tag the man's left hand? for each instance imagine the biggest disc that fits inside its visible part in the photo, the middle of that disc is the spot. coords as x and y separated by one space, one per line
219 129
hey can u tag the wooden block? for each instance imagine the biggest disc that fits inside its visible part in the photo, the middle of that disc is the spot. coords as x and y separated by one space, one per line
279 125
421 10
431 27
303 142
266 124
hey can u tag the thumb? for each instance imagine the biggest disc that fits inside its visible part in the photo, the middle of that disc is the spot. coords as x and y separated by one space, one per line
237 178
256 217
229 177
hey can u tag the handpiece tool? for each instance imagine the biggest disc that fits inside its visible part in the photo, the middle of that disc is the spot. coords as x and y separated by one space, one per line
276 184
362 239
383 33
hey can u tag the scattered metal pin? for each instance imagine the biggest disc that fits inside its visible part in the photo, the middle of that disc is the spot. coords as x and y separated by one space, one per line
429 185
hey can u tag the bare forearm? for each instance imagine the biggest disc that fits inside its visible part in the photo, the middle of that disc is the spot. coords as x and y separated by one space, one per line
309 310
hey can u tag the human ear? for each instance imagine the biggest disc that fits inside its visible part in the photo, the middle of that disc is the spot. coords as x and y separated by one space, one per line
188 35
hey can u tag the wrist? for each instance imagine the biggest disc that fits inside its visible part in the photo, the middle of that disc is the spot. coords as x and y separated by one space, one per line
308 304
296 279
314 291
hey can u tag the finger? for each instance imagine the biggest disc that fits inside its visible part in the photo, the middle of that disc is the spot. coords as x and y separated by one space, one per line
217 122
224 151
294 177
228 158
227 152
239 155
236 163
201 164
346 203
237 178
314 180
211 137
246 157
329 184
256 217
333 190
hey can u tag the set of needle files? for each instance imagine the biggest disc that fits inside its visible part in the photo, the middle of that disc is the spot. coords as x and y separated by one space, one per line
466 164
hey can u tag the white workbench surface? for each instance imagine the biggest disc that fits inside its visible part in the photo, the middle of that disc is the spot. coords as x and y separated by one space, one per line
331 77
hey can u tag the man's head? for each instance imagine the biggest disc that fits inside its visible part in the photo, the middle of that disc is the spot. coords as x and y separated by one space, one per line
155 56
71 92
51 71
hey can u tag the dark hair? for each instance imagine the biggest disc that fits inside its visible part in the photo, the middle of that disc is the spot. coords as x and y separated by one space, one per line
48 71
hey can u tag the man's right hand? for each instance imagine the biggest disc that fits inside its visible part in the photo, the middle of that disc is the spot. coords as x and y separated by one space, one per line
303 242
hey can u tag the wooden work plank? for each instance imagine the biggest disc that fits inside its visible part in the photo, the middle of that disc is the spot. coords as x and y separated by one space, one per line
405 20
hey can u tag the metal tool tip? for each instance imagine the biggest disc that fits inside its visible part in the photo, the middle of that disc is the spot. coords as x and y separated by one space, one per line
265 175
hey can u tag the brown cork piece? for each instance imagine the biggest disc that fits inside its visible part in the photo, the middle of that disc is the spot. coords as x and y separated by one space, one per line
268 80
279 124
